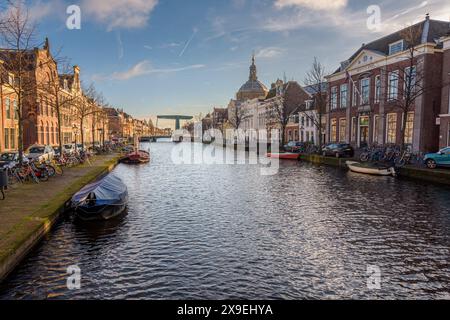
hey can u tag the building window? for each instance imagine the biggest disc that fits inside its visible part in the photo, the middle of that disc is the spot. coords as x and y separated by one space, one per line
396 47
376 128
391 125
344 90
6 138
342 130
42 133
354 128
334 101
11 79
355 94
377 89
8 108
409 128
333 130
449 100
309 104
393 85
47 131
16 110
365 91
13 138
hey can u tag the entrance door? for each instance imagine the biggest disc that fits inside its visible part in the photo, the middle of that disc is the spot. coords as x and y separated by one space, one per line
363 132
364 136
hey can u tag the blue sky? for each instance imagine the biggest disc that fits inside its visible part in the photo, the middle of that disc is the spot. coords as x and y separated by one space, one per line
172 56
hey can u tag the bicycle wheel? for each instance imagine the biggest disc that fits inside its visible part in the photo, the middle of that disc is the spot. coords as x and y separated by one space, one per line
364 157
59 170
51 171
44 175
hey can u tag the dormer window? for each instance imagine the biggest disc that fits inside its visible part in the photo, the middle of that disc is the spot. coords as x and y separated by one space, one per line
11 79
396 47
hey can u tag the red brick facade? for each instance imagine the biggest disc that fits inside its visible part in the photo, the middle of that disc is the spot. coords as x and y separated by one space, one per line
378 120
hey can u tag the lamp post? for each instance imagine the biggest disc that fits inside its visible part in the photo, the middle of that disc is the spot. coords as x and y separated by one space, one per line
75 131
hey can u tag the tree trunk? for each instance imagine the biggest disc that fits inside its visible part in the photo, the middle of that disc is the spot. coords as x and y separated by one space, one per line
58 113
20 137
403 130
82 133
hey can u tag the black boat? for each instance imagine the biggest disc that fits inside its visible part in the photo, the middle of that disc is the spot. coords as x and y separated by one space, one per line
101 200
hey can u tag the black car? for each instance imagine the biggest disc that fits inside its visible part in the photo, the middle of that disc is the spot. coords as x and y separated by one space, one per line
338 150
294 146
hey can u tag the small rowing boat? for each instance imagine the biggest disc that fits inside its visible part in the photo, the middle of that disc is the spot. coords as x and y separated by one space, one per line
136 157
101 200
371 169
284 155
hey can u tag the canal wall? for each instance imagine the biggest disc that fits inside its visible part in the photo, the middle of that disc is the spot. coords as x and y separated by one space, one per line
24 223
441 176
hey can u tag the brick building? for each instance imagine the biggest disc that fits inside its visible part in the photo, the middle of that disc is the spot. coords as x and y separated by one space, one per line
444 117
8 116
361 92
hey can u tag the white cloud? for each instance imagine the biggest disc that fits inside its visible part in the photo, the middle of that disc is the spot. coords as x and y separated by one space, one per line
120 13
144 68
270 52
313 4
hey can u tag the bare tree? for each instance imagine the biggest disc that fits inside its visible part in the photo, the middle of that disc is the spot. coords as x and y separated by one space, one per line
315 80
237 114
279 110
410 76
17 32
84 107
62 98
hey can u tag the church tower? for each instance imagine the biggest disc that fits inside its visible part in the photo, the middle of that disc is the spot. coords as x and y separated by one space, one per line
253 88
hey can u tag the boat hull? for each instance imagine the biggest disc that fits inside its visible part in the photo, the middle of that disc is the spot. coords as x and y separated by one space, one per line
100 213
139 157
358 168
284 156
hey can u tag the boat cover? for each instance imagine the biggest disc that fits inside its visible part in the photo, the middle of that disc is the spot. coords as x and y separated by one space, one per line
108 190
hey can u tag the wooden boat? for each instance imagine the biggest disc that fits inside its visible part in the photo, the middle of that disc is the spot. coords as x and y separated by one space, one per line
371 169
284 155
136 157
101 200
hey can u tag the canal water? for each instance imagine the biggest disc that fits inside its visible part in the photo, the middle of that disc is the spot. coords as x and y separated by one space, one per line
227 232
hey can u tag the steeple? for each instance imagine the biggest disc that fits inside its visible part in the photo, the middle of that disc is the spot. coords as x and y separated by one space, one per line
47 44
253 72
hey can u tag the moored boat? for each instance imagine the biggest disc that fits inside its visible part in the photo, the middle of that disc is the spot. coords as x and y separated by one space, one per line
371 169
136 157
101 200
284 155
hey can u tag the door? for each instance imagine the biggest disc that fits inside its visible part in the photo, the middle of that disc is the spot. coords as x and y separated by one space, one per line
363 131
364 137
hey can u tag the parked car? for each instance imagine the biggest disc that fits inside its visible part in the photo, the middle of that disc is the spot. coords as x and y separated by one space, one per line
294 146
81 147
9 159
40 153
439 159
338 150
68 148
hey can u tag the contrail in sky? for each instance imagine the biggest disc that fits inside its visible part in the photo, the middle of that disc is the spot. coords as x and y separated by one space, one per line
188 42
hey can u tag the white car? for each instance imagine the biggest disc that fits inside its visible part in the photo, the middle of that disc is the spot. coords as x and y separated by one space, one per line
40 153
68 148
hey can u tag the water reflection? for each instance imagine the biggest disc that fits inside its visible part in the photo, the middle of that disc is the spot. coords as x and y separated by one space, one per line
197 231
